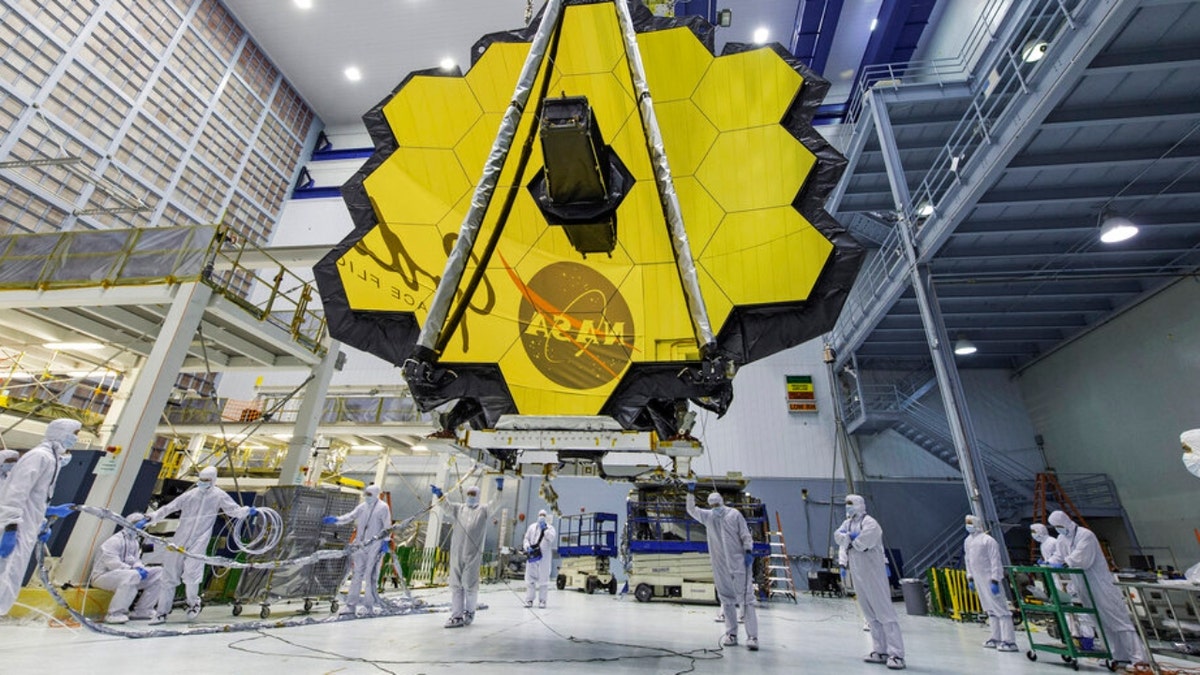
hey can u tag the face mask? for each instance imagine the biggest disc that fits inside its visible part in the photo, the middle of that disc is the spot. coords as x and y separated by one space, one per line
1039 538
850 511
1191 460
1062 531
472 500
64 459
971 529
69 442
204 484
541 519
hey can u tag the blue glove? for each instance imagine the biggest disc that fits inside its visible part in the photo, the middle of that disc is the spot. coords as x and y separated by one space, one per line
8 542
970 585
500 484
854 535
383 546
253 512
748 559
843 573
542 525
141 524
995 588
329 520
1057 565
60 510
1041 563
44 533
142 573
691 486
437 492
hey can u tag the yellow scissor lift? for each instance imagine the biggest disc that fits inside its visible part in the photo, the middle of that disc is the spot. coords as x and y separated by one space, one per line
1043 600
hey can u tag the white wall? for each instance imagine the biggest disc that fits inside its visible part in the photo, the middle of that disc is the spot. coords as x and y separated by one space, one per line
758 436
952 24
1116 401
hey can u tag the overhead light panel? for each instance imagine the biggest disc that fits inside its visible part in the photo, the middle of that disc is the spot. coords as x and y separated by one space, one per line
964 347
874 24
724 18
761 34
353 74
74 346
447 63
924 210
366 446
1114 228
304 4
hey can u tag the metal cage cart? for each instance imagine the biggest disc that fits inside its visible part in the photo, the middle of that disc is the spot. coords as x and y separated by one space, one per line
586 543
1044 602
1167 614
301 509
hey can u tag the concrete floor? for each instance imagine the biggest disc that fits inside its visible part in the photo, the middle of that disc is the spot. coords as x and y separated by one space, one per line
588 634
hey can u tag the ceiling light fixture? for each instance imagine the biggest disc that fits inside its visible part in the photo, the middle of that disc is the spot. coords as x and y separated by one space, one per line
447 63
761 35
74 346
366 446
353 74
304 4
1034 50
964 347
724 18
924 210
874 24
1114 228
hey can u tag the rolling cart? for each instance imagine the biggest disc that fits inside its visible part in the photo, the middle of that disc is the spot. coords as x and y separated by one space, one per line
1044 601
301 509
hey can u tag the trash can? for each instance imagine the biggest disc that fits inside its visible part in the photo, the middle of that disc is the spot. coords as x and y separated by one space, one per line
914 597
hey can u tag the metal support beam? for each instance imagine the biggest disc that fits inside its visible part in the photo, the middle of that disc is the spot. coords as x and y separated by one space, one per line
979 494
135 427
307 418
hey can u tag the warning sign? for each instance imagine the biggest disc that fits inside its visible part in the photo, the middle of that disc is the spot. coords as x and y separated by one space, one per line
800 394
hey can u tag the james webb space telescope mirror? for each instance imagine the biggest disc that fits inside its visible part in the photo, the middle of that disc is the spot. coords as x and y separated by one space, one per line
600 217
582 182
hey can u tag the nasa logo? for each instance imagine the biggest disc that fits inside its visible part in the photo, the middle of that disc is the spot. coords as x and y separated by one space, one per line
575 326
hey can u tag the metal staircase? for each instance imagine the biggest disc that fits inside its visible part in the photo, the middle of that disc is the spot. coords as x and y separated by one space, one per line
872 408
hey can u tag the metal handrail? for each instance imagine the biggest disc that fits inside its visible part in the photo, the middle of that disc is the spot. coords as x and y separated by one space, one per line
945 70
989 107
939 549
374 410
171 255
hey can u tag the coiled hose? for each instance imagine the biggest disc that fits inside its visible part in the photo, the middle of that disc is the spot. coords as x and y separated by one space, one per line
259 533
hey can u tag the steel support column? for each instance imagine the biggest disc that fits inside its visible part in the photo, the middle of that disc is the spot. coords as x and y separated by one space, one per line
135 427
308 417
979 494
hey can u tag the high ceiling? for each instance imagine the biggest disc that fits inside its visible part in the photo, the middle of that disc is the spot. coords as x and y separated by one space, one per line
386 40
1024 271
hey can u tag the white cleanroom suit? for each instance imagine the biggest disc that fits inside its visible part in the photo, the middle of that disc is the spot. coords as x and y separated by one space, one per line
985 568
371 517
860 542
540 536
23 501
729 548
1081 549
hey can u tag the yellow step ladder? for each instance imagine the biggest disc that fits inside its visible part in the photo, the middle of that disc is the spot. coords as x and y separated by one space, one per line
779 566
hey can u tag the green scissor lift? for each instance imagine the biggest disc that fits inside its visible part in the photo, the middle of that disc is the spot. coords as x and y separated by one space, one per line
1056 610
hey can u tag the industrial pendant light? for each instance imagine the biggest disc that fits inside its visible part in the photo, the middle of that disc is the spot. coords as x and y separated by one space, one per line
964 347
1114 228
